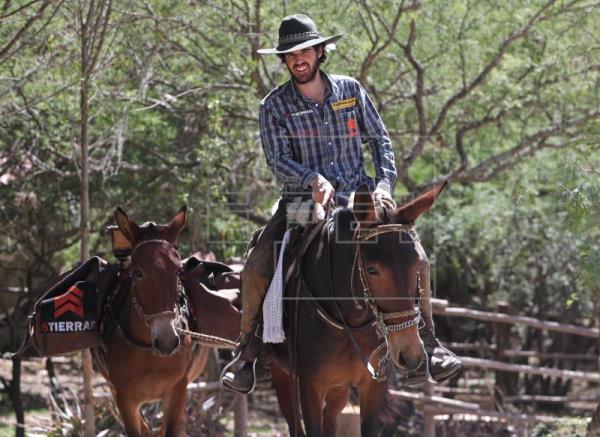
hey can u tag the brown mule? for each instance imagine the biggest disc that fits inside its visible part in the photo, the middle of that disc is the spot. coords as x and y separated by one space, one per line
145 359
358 286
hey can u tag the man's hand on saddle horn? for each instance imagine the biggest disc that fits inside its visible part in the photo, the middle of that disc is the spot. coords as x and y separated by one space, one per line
322 190
382 197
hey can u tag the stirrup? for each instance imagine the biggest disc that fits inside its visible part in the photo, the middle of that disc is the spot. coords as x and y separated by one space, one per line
225 370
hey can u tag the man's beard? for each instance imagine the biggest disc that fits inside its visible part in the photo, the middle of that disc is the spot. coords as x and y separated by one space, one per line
307 77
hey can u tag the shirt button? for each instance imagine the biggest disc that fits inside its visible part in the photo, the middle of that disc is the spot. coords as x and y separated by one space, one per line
331 162
326 124
329 144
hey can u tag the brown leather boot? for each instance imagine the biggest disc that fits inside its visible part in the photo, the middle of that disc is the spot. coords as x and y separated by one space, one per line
442 363
250 367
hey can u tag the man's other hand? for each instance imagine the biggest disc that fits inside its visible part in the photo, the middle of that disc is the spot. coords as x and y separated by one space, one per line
383 198
322 190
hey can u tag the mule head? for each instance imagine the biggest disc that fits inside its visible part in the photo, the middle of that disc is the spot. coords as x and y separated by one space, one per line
155 269
395 266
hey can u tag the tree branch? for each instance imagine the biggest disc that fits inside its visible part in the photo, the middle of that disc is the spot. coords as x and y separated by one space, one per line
21 31
514 36
528 146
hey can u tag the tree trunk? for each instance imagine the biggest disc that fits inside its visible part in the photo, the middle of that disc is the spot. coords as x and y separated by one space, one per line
88 373
15 397
93 23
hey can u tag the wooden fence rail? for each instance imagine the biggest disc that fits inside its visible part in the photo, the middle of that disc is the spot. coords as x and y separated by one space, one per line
480 363
517 353
443 308
435 404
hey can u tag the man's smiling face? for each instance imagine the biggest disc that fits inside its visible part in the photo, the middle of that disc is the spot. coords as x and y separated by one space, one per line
303 64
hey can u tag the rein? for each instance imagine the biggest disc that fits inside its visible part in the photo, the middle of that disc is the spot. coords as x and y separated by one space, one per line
380 318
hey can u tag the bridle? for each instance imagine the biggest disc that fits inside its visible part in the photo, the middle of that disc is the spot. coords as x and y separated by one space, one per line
380 317
148 318
383 329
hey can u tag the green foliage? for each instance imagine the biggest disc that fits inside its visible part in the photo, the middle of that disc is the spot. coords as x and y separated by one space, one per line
514 241
564 427
174 106
580 197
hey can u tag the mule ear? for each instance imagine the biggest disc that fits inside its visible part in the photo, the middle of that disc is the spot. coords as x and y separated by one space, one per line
411 211
178 222
363 207
129 228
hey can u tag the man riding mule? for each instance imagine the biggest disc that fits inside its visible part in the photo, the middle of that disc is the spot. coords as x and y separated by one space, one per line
312 128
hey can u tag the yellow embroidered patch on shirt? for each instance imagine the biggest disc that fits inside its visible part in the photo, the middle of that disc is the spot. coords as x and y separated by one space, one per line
348 103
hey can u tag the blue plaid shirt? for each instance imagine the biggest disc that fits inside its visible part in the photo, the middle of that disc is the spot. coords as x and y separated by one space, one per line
301 138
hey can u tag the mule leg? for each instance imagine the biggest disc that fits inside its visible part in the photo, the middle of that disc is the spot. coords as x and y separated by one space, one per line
134 423
335 401
372 394
283 389
198 362
173 424
311 399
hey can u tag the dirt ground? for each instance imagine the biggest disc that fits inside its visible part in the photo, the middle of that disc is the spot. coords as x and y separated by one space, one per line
210 413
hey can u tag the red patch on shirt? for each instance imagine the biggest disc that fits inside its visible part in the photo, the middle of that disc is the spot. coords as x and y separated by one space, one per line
352 127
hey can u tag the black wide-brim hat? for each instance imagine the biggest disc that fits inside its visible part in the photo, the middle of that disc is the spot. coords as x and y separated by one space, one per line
297 32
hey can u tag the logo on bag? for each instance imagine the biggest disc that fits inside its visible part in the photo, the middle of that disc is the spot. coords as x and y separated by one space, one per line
54 327
73 311
71 301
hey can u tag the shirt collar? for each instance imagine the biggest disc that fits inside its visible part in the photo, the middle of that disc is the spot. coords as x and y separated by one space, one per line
331 87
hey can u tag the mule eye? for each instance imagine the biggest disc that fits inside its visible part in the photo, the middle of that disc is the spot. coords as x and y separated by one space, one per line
372 271
137 274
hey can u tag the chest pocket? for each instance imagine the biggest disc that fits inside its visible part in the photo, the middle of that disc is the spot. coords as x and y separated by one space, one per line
348 122
347 115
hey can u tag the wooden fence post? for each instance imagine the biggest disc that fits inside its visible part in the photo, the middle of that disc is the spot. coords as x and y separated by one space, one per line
240 416
503 381
429 425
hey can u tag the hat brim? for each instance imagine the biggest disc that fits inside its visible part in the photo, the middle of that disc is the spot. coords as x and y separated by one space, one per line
300 46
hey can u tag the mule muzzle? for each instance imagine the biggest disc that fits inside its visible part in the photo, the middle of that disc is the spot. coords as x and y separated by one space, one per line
165 339
166 348
406 349
406 363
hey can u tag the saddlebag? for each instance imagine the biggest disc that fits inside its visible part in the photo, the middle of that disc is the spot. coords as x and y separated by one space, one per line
213 290
66 318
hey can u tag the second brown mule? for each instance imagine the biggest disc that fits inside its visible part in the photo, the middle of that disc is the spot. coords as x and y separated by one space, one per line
145 359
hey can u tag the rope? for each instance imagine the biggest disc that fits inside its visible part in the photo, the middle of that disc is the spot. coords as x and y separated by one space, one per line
208 340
